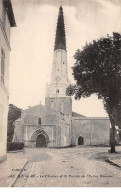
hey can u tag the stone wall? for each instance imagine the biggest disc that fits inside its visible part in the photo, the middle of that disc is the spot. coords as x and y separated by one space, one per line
31 116
65 126
95 131
62 104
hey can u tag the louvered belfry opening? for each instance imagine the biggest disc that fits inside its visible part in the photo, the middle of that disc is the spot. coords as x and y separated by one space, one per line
60 40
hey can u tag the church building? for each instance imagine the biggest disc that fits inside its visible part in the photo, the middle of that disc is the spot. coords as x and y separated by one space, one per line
54 124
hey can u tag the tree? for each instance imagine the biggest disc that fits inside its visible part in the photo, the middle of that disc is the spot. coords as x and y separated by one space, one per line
13 114
97 70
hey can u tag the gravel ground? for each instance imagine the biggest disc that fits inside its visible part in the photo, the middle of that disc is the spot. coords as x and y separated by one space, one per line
70 167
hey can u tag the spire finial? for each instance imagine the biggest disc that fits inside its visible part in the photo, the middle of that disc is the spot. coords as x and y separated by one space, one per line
61 2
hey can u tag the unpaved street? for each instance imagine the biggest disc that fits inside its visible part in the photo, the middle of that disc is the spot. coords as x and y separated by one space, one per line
71 167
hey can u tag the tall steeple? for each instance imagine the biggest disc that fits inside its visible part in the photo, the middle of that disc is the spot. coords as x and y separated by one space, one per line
56 91
59 76
60 40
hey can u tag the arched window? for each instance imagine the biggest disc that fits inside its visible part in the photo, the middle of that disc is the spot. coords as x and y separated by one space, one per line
57 91
39 120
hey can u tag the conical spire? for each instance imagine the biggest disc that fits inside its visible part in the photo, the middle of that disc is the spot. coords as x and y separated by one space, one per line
60 40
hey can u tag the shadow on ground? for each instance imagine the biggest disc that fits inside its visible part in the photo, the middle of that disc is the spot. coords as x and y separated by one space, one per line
105 155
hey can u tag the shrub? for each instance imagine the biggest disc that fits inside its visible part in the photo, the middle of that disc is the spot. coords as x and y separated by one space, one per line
13 146
13 114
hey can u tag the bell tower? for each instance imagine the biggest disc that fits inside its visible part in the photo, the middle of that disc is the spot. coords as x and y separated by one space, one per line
56 91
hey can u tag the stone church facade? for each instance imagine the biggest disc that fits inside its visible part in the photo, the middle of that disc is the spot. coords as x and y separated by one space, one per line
55 125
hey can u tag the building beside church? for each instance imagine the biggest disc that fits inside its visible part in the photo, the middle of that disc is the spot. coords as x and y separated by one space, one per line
55 124
6 22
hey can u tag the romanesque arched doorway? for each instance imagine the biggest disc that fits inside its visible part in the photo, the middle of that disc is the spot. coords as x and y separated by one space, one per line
80 140
40 138
41 141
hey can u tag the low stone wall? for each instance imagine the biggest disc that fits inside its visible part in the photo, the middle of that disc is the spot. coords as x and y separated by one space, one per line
95 131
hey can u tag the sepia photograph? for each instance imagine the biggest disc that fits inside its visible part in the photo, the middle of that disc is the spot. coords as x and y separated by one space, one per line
60 93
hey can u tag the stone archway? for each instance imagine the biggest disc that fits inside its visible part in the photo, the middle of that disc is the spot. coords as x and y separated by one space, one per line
40 138
41 141
80 140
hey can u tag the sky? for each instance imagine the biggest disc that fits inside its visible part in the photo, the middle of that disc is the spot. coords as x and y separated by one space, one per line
32 43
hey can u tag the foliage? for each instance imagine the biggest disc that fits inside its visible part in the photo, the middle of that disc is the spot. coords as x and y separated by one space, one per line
13 114
13 146
97 70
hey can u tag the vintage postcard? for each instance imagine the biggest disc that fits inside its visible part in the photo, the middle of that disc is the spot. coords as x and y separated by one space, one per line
60 91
